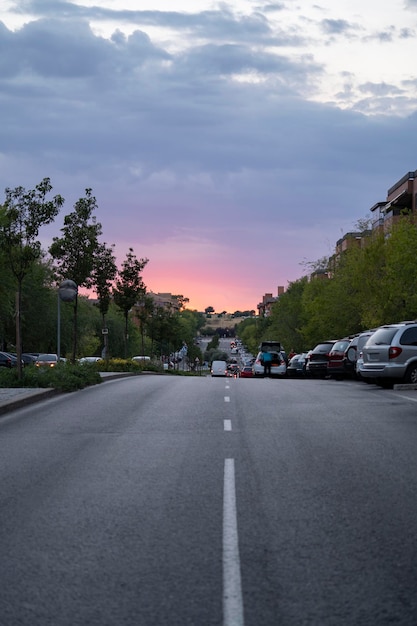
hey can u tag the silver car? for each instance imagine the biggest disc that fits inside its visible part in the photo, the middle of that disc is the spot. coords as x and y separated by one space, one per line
278 365
390 354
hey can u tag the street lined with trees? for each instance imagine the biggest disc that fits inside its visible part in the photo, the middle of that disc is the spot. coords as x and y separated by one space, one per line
363 288
122 316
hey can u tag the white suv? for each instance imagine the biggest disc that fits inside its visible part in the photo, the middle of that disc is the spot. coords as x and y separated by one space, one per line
390 354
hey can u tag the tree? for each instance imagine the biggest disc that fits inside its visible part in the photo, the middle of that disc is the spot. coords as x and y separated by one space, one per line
76 251
144 312
130 287
21 217
286 318
401 271
104 273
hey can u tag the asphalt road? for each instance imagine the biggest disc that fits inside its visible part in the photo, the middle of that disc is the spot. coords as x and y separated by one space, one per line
159 500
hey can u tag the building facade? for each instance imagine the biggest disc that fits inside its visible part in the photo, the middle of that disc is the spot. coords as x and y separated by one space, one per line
401 200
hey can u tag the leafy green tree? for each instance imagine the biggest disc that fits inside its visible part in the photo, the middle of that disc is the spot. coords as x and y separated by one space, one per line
21 217
76 251
129 288
368 276
7 288
104 273
286 320
401 271
144 311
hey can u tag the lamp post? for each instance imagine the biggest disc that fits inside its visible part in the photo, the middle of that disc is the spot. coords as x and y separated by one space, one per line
67 292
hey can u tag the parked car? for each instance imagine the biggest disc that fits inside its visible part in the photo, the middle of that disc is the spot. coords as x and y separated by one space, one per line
297 365
318 359
47 360
278 364
27 359
390 354
246 372
7 360
336 362
141 359
353 354
89 359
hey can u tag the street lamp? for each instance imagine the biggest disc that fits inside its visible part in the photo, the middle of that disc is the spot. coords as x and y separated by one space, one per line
67 292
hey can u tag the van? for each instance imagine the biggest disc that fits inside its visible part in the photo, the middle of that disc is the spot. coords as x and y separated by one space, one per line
219 368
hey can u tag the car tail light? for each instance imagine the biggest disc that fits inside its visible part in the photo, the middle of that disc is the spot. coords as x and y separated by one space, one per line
394 352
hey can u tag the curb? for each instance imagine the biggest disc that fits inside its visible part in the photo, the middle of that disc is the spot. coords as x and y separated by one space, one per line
32 395
404 386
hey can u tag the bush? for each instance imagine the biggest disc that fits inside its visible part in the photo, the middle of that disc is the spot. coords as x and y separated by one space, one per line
65 377
72 376
127 365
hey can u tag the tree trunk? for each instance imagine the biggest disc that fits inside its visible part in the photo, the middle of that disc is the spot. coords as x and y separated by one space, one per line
74 330
19 331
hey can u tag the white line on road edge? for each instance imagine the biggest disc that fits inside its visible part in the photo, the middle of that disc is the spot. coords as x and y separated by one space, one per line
227 424
232 586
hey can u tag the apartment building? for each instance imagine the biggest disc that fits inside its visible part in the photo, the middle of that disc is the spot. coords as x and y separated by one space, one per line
264 307
401 200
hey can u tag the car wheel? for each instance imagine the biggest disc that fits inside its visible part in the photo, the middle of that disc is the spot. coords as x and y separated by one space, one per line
411 374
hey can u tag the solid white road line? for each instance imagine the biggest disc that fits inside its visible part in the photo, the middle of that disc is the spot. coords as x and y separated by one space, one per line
228 424
232 586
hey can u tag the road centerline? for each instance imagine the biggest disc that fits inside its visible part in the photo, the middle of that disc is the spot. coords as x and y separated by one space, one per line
232 586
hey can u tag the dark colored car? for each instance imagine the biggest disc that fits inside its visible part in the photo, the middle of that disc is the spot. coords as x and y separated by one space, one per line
318 359
297 365
336 364
7 360
27 358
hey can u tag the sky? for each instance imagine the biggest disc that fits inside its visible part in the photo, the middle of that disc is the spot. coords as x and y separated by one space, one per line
229 143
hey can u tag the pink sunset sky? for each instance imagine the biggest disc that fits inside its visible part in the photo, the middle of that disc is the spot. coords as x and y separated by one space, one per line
229 143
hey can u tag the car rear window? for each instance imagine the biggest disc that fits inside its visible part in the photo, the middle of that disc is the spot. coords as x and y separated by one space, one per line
382 337
362 341
340 346
323 347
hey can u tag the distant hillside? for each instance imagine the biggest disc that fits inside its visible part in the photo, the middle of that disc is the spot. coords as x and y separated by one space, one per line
224 321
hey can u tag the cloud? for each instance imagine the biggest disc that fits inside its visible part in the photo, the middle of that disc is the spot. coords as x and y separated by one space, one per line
209 135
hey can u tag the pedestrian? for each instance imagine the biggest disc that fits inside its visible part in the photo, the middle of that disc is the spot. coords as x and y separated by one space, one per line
267 360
